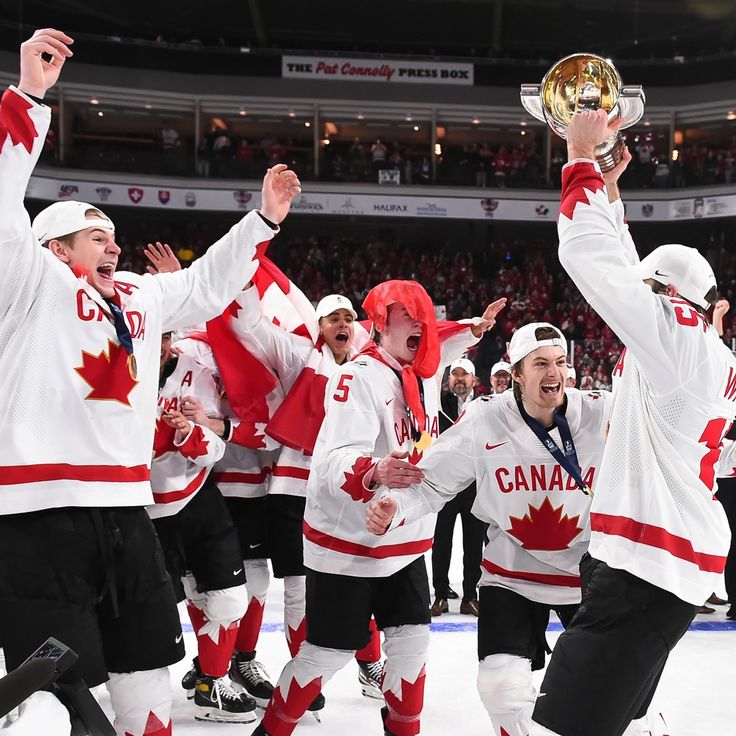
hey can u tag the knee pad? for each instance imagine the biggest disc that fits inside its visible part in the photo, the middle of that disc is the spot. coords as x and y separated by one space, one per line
257 578
141 701
225 606
505 683
406 654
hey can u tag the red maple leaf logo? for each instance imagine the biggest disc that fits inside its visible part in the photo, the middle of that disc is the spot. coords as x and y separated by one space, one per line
107 374
353 484
196 445
415 456
15 122
407 709
545 528
576 179
154 726
163 439
246 434
283 713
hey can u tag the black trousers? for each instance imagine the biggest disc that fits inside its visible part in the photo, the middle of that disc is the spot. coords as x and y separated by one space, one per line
727 496
607 663
473 540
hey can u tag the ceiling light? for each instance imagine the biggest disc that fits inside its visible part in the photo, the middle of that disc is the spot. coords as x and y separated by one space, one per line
307 124
94 101
475 121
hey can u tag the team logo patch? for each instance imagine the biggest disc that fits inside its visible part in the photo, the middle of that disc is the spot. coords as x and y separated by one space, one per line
242 197
164 196
68 190
190 200
135 194
647 209
490 205
541 210
103 193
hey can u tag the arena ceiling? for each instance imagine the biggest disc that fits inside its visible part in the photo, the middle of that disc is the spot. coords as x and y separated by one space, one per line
525 29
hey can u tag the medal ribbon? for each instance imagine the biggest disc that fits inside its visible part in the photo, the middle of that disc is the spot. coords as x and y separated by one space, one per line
567 459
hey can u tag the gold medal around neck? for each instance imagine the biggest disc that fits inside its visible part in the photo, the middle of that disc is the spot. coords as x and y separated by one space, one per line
424 441
132 366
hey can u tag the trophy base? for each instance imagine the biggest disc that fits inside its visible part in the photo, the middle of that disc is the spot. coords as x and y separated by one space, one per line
610 152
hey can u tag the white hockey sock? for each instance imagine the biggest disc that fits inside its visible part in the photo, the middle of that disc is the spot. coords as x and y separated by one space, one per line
295 604
506 689
141 702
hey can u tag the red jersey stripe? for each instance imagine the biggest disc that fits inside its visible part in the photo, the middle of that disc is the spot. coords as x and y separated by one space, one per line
655 536
360 550
17 474
565 581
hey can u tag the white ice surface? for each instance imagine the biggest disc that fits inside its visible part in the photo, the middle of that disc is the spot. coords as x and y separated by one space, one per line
696 693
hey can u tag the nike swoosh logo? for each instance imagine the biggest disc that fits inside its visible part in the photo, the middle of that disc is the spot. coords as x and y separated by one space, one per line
179 638
389 401
659 273
253 546
237 572
493 447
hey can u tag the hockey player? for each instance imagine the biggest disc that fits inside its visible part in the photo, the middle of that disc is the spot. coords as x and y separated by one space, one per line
379 407
289 356
79 350
196 530
535 452
659 541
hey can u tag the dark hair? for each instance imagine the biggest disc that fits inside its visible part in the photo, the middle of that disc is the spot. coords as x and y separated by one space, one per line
541 333
712 296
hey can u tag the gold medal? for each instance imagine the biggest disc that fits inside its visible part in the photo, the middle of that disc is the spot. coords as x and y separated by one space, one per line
132 366
424 441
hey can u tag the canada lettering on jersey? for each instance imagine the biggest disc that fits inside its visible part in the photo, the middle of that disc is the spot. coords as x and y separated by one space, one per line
168 405
89 311
403 429
539 478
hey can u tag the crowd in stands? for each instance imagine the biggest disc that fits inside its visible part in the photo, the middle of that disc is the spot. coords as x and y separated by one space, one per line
525 271
225 154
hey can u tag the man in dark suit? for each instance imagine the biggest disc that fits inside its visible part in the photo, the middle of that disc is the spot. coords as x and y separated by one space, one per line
458 395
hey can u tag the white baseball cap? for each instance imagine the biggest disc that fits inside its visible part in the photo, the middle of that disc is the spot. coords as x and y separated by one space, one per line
465 364
682 267
571 372
524 341
501 366
65 218
331 303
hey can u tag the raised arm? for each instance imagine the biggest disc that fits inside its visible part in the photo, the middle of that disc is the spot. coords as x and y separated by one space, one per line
24 122
202 291
594 255
283 352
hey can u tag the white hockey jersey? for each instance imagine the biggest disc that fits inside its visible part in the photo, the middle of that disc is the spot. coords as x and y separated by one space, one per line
366 418
538 517
76 426
674 399
179 470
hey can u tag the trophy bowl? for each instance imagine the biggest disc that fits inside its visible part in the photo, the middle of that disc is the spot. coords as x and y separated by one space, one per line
585 82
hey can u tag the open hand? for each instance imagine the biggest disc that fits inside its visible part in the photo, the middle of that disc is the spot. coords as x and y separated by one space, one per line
392 472
488 320
280 186
36 74
379 514
162 258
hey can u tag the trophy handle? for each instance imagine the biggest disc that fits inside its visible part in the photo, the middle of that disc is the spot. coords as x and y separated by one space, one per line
631 105
532 101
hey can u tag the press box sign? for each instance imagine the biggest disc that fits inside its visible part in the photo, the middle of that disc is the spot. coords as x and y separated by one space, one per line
375 70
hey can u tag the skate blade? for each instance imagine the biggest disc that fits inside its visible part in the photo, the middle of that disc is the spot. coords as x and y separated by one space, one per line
371 692
316 716
261 703
208 717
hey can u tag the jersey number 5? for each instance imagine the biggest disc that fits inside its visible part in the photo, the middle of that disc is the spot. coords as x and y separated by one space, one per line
712 438
342 390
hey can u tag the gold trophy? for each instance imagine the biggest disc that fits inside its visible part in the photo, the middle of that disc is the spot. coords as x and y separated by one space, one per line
585 82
